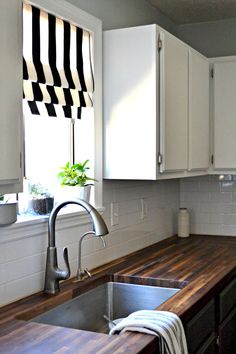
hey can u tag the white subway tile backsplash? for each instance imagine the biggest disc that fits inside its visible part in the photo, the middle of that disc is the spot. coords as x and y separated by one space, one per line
229 208
216 213
22 261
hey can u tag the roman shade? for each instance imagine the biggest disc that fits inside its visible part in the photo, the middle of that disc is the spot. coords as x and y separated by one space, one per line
57 67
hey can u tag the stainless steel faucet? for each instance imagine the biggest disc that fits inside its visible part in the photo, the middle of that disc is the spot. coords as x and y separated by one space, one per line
53 273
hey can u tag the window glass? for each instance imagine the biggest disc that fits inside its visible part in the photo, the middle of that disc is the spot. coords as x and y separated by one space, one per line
47 147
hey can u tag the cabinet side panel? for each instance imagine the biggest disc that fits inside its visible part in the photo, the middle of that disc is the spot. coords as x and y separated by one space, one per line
130 110
225 115
198 112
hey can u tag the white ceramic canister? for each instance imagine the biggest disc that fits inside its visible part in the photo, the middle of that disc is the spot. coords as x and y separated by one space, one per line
183 222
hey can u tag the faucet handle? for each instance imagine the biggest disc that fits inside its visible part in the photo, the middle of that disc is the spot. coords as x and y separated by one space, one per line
87 272
103 241
66 259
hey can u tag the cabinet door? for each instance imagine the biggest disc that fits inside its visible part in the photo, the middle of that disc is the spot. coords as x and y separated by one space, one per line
202 324
198 112
130 108
11 95
225 115
227 334
173 104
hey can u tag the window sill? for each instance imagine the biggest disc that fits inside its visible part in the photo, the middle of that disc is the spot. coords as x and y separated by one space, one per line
29 226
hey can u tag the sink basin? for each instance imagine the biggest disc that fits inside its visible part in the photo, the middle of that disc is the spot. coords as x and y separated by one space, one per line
112 299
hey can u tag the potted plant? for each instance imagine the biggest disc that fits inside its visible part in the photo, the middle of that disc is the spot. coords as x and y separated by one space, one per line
41 201
8 211
75 175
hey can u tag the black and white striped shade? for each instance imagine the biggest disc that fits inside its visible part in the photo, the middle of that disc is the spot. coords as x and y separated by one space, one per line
57 69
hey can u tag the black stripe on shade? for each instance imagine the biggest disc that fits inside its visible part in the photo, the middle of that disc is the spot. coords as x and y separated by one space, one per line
67 111
82 100
50 109
52 94
79 111
38 96
67 35
25 70
68 97
36 44
79 60
33 108
52 49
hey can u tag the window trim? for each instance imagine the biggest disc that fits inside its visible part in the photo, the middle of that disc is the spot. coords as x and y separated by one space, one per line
83 19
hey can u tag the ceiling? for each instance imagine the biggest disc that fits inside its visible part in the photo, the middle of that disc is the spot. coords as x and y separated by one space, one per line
192 11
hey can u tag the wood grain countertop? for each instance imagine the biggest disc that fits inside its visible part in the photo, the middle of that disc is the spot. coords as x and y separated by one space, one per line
199 265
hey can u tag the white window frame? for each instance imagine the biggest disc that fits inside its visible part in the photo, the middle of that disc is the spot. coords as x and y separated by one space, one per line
71 13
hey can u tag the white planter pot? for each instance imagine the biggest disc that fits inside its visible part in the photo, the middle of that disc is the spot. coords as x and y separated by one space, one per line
8 213
84 193
77 192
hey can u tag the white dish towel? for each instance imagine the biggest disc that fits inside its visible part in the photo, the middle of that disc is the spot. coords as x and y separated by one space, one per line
166 325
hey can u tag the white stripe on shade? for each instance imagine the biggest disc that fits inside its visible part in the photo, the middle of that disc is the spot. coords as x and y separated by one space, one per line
86 61
46 96
75 97
60 96
88 100
44 44
73 59
60 51
28 92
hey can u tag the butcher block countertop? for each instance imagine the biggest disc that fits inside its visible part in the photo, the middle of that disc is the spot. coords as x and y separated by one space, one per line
199 265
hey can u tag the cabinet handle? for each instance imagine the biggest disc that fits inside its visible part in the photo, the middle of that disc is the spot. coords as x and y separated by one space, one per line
161 54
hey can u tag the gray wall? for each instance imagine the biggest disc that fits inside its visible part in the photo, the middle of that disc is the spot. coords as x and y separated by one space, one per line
125 13
213 39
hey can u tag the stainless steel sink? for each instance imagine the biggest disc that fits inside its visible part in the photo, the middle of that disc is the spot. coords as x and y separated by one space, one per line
112 299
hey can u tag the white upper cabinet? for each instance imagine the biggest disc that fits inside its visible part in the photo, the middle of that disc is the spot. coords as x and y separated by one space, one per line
11 96
173 104
156 106
198 112
224 114
130 104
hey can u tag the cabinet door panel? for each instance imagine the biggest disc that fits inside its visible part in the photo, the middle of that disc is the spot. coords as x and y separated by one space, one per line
130 112
203 324
227 299
173 103
198 112
227 334
225 115
11 91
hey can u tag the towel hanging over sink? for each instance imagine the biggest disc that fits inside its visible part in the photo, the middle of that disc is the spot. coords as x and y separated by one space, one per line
163 324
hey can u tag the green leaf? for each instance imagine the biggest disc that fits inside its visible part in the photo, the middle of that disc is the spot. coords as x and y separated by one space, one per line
74 175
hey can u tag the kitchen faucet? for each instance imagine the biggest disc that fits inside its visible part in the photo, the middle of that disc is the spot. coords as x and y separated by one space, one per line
54 274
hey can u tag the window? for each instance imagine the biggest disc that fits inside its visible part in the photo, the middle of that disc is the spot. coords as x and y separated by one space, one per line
52 141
